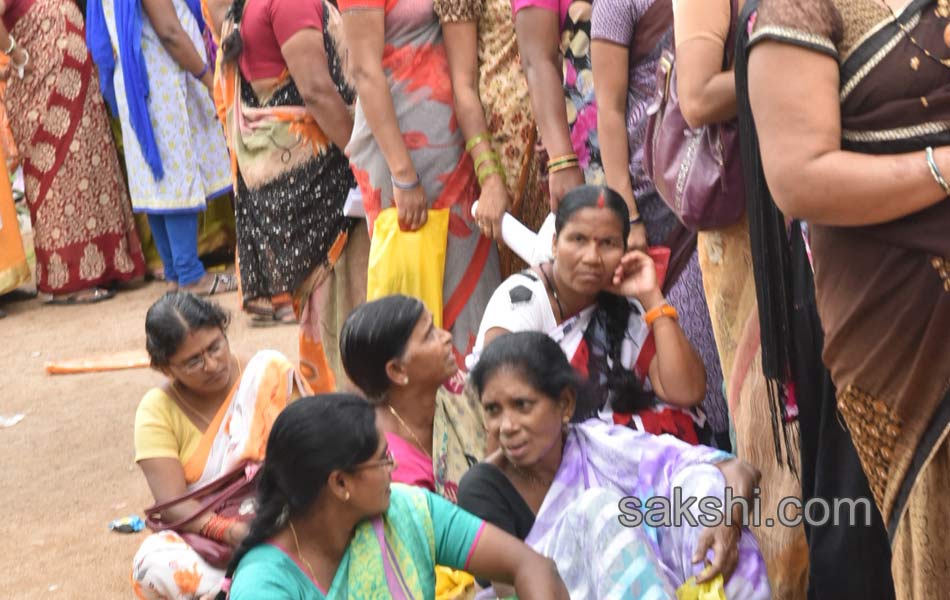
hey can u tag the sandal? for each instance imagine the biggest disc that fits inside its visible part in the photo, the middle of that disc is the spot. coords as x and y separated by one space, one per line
220 283
90 296
284 315
263 321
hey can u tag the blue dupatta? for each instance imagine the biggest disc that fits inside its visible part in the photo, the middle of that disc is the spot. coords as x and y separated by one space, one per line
128 21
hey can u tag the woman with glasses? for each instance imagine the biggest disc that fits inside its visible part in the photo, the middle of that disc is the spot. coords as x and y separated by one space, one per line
330 524
214 412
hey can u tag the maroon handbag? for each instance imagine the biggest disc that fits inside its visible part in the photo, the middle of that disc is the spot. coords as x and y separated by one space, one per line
231 495
697 172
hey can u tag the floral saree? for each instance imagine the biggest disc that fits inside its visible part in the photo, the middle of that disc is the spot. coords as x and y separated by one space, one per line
167 568
84 232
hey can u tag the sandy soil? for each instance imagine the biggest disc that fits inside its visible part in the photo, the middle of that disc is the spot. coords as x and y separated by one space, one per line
67 469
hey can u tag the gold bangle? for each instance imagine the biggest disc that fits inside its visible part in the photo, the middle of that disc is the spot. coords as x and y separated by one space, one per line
478 139
564 167
567 157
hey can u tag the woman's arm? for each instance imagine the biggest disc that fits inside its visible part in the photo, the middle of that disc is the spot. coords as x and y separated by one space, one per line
461 46
164 19
498 556
217 10
676 372
809 175
611 85
707 94
538 32
308 64
742 478
166 479
365 35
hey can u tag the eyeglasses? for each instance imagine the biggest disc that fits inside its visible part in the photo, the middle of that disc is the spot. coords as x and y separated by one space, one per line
217 351
388 463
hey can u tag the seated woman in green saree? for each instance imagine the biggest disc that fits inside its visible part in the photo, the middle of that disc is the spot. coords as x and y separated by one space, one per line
330 524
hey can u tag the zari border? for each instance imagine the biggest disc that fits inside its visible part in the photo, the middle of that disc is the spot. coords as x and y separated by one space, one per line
800 38
893 135
876 59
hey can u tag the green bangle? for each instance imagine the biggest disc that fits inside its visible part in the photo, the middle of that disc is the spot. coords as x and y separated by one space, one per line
486 156
492 170
478 139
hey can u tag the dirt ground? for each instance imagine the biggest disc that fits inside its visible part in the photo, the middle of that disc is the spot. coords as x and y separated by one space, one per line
67 469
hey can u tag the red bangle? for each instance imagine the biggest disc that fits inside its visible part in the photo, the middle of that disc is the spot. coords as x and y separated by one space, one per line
217 527
663 310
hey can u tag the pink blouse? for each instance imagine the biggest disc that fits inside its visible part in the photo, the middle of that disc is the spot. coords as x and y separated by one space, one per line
558 6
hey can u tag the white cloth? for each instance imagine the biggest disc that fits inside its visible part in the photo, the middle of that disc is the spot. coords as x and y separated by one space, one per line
189 136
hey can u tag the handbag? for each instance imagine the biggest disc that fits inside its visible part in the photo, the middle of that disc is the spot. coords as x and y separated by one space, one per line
411 263
230 495
697 172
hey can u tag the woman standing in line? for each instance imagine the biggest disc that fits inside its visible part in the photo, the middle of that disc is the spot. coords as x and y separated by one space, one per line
85 236
155 76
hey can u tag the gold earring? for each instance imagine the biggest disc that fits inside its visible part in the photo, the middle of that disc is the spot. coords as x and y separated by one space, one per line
346 498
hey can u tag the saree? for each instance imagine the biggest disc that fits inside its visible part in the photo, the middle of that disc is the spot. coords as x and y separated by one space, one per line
292 183
416 67
602 465
503 91
84 232
14 270
883 291
7 143
165 567
390 556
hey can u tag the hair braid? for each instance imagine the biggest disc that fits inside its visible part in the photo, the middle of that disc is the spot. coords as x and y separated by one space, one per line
624 389
233 44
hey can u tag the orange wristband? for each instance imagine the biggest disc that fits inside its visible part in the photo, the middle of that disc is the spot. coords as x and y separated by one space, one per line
663 310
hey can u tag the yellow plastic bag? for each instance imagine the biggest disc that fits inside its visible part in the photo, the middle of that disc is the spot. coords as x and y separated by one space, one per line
409 262
711 590
453 585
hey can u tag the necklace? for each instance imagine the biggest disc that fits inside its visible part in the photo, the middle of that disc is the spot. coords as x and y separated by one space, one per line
530 476
293 532
181 398
943 11
557 299
407 428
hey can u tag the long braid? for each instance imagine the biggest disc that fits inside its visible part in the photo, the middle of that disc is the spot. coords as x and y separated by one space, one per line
233 44
267 522
624 389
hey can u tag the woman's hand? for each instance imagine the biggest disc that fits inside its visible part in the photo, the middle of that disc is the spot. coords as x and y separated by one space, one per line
237 532
19 58
561 182
635 277
492 205
637 240
724 542
411 208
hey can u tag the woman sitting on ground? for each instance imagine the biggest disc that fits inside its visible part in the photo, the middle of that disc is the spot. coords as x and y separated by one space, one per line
558 485
213 413
405 364
331 525
603 305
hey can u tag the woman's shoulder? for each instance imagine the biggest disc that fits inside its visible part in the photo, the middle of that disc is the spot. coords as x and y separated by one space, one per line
266 572
816 24
155 402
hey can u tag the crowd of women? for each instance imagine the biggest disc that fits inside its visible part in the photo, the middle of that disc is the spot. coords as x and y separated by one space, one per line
806 334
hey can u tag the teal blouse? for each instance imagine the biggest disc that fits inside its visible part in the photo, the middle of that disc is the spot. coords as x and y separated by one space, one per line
421 529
